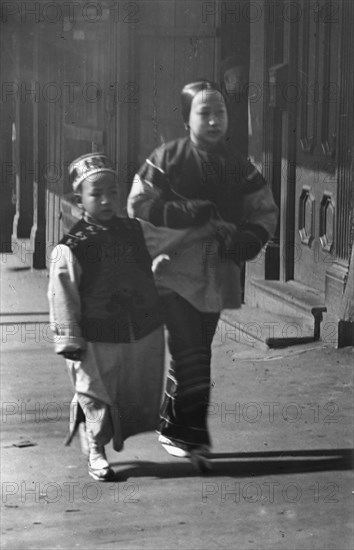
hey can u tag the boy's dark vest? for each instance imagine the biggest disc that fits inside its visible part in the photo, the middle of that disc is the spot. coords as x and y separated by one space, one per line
119 301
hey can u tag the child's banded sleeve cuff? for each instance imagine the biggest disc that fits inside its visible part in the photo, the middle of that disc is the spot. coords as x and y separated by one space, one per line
64 300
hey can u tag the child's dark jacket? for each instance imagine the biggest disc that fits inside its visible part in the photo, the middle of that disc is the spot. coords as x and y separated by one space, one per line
180 186
102 287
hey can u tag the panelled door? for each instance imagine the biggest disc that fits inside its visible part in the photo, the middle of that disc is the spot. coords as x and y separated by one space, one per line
316 99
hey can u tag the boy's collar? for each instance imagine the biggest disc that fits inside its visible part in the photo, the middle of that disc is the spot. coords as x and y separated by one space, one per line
92 221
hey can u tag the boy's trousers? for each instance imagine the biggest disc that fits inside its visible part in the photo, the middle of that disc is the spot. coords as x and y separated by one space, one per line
119 387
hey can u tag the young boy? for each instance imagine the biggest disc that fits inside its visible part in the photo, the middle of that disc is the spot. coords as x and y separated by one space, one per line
104 308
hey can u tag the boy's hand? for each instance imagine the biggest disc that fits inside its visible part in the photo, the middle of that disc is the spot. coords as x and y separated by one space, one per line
72 355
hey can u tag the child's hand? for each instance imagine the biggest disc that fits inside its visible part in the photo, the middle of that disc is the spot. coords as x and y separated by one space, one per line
201 210
188 213
225 233
244 246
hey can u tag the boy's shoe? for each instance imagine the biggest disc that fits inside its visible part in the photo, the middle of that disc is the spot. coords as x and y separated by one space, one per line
98 466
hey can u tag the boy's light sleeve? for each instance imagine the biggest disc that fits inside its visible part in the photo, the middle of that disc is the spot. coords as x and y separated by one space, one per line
64 300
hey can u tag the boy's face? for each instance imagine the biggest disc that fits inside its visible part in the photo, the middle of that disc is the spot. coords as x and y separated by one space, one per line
207 119
99 196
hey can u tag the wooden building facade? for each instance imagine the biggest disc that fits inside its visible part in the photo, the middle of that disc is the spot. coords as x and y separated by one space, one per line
303 137
89 76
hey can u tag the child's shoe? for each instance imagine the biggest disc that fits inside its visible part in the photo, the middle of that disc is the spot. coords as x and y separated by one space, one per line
174 449
197 455
98 466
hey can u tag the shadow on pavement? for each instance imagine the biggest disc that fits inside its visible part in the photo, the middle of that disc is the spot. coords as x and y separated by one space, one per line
245 464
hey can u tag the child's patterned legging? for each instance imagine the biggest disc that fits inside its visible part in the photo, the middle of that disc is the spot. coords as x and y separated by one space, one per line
185 405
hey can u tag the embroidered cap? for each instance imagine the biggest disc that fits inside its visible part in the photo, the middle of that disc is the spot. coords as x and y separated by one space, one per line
88 165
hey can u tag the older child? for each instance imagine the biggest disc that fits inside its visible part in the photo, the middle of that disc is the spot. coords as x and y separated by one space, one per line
187 183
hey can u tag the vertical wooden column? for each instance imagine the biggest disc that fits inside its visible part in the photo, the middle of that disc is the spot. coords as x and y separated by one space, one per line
126 75
22 144
117 127
7 109
272 137
256 269
337 274
288 157
22 147
345 133
38 230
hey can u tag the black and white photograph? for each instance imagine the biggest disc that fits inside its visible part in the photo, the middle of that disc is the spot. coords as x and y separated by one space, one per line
177 274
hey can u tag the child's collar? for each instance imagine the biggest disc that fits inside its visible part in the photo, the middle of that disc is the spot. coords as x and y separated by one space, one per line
92 221
219 148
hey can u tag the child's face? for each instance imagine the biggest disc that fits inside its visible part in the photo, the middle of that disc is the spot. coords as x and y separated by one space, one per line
234 80
99 196
207 119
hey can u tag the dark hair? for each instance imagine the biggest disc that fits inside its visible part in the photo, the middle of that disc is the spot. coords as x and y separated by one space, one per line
230 63
190 91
